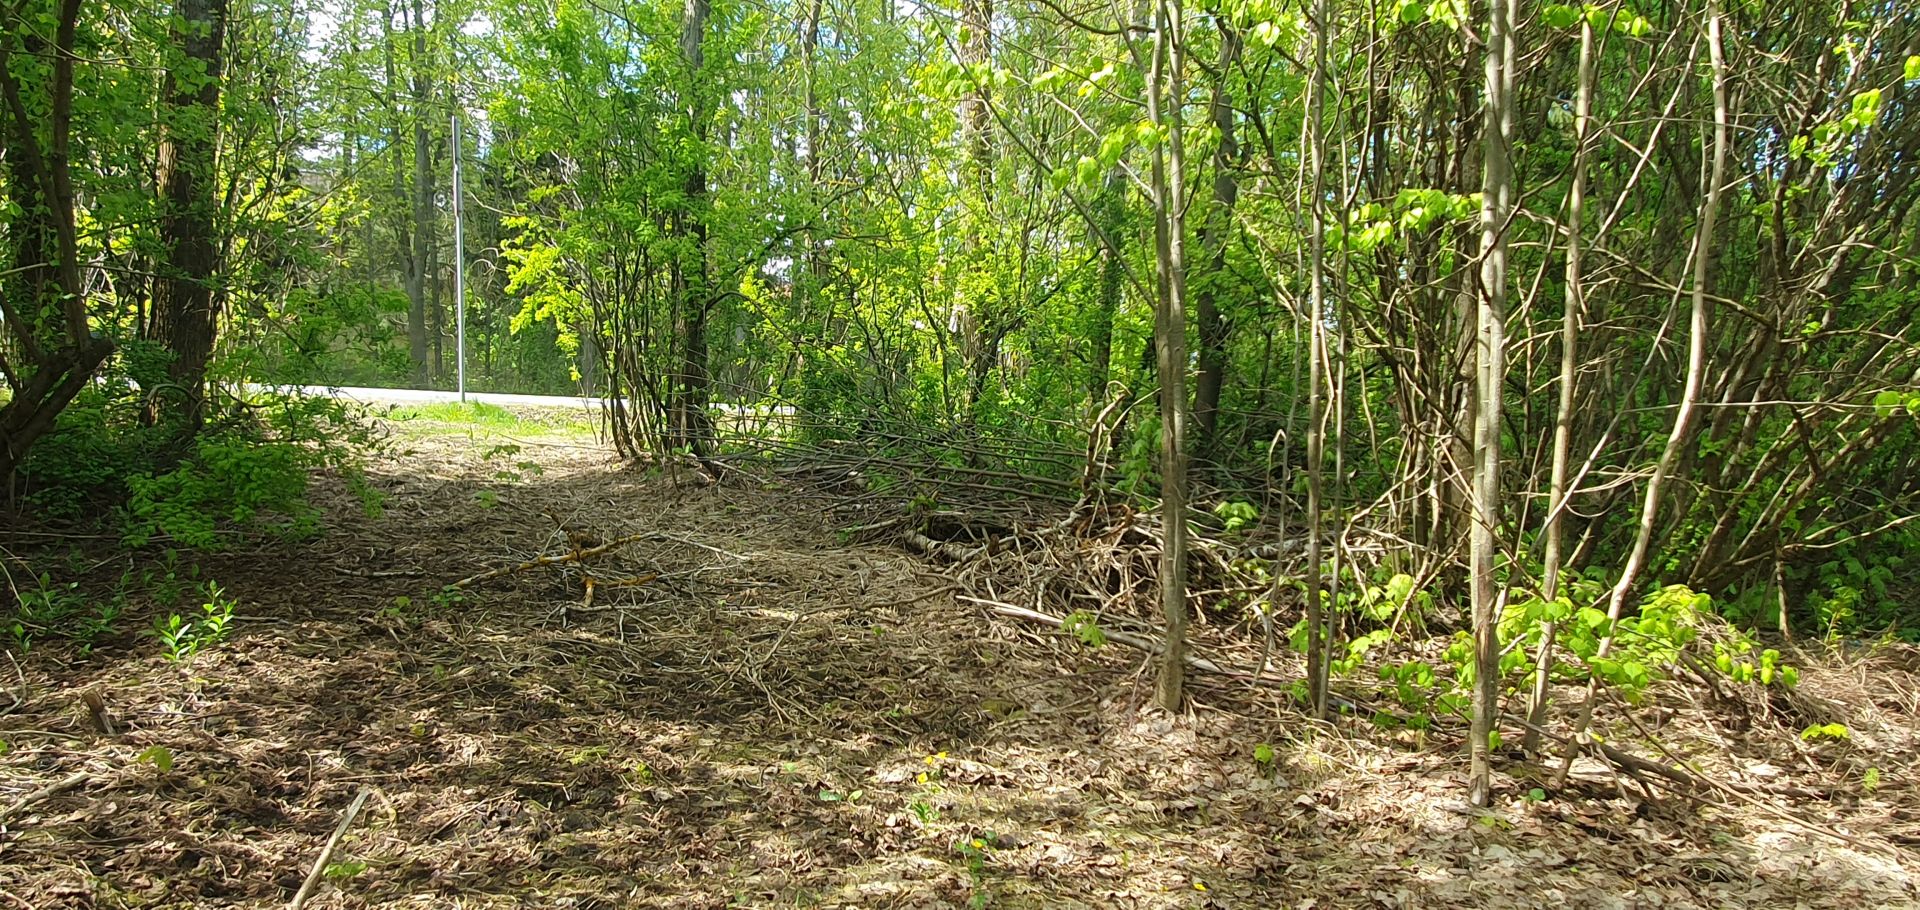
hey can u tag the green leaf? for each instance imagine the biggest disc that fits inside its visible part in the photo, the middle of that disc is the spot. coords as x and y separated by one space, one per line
1560 15
1834 732
1263 754
343 871
1887 404
1913 67
1632 24
158 756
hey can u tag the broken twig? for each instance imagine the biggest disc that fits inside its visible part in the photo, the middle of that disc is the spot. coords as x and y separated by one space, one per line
326 853
76 779
561 559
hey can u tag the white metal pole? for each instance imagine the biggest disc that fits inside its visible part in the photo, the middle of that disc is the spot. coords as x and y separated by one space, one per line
459 269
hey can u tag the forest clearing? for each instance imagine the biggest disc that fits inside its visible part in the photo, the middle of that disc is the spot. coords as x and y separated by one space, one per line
786 717
959 453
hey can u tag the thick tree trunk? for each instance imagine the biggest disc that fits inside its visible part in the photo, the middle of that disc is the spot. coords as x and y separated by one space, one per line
50 323
981 322
437 314
184 316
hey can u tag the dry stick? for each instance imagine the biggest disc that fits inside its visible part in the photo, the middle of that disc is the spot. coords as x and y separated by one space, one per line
56 788
947 548
1745 794
326 853
1148 645
562 559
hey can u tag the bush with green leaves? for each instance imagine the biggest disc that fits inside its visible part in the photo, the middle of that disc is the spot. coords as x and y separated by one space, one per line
182 637
246 467
61 610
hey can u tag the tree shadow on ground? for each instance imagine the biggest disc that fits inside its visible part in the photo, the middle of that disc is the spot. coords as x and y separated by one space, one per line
780 718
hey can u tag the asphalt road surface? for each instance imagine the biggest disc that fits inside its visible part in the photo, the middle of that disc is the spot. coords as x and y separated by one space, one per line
436 396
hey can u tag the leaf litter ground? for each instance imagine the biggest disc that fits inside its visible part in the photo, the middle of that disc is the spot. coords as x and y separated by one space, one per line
780 719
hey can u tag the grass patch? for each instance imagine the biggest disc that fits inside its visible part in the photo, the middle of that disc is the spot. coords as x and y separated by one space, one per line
469 412
480 420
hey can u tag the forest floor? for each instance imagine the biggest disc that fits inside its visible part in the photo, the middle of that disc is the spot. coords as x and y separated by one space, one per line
778 718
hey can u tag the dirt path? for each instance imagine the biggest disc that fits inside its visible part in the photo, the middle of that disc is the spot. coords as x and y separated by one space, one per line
778 720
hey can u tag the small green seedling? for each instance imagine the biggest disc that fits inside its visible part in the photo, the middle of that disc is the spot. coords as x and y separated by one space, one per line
158 756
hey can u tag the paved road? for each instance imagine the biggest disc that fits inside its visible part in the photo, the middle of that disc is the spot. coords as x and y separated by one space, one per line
503 399
435 396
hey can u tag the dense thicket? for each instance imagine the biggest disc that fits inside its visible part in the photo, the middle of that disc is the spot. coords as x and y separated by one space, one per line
1553 305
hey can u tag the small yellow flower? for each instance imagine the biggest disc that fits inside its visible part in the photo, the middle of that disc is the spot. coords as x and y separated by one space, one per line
1199 886
979 844
921 777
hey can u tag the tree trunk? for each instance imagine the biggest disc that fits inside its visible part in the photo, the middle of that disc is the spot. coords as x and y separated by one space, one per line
1214 238
1687 415
1165 93
1317 664
50 323
1489 379
422 203
982 321
184 317
437 314
976 51
692 425
1111 209
1569 366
